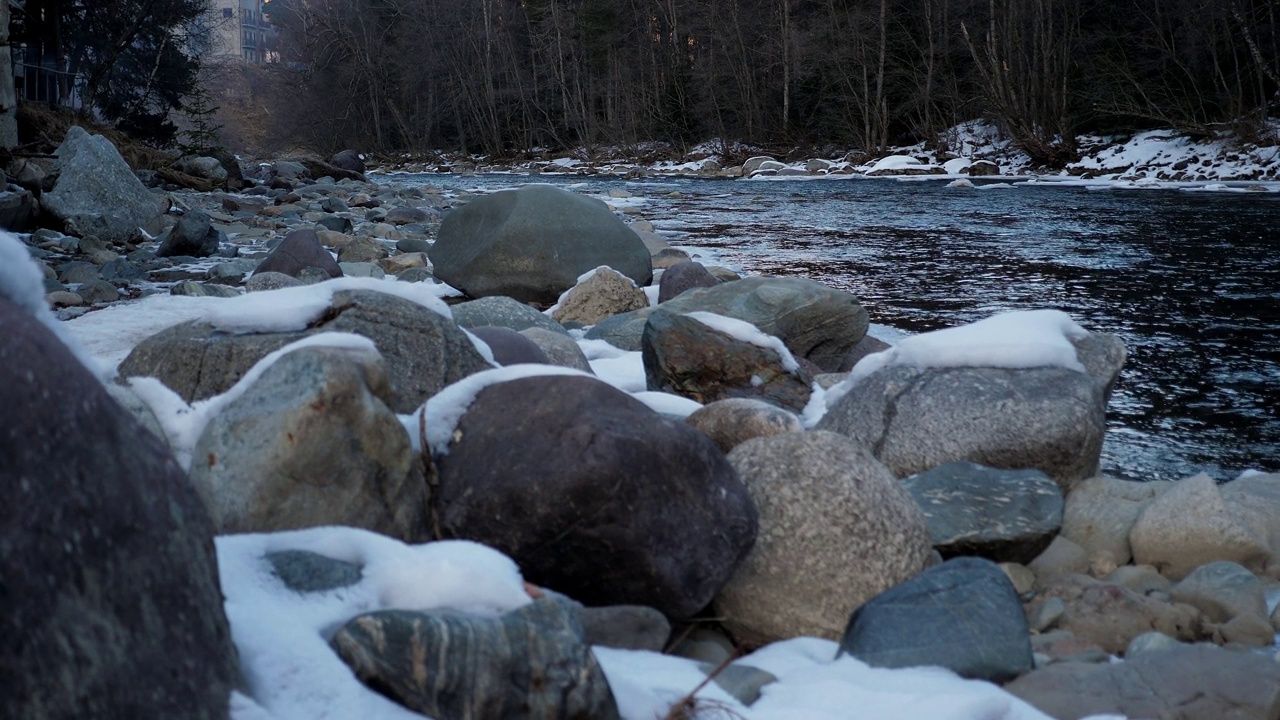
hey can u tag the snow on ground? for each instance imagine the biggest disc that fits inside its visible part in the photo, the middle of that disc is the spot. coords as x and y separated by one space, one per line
292 674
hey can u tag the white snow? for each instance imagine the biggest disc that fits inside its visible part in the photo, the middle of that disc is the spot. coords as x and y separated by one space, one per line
292 674
183 424
22 282
1024 339
443 410
956 166
960 183
625 371
896 162
293 308
282 636
744 331
110 334
667 403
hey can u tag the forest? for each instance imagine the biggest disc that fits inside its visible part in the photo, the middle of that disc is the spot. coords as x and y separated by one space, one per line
502 77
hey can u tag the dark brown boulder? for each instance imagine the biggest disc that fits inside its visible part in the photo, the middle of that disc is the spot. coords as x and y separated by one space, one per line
595 495
299 250
684 276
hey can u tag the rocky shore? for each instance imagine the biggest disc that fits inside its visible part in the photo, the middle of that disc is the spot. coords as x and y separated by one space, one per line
324 447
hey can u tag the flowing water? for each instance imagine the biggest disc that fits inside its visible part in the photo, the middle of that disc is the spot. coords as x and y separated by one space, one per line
1189 281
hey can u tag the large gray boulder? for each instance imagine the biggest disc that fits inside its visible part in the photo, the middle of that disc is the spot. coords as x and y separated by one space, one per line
193 235
533 243
1232 600
1191 682
110 605
1048 418
594 494
312 442
686 357
1000 515
836 529
95 187
530 664
814 321
963 615
423 350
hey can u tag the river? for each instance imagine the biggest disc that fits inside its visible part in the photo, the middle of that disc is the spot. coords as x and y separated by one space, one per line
1190 282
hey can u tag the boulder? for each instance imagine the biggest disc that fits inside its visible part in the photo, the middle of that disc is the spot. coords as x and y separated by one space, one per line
533 243
1190 525
753 164
406 214
685 356
667 257
866 346
1101 511
836 529
963 615
594 494
510 347
814 321
200 166
299 250
1193 682
1111 616
684 276
503 312
93 181
363 250
560 348
307 572
270 280
626 627
729 423
350 160
1232 600
312 442
1001 515
981 168
112 607
1255 499
191 288
528 664
604 294
1060 559
423 350
18 208
1048 418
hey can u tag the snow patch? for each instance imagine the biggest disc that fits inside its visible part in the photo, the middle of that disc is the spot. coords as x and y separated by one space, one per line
22 282
743 331
294 308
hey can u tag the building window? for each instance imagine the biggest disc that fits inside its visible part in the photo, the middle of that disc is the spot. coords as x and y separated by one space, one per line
228 12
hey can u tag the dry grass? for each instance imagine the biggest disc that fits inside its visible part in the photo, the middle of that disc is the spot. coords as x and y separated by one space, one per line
41 130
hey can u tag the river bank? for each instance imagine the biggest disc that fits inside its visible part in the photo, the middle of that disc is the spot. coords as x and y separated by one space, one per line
974 149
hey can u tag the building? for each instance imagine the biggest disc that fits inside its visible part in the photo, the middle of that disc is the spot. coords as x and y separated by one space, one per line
241 30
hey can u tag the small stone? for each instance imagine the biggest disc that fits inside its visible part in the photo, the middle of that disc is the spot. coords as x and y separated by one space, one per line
308 572
1048 615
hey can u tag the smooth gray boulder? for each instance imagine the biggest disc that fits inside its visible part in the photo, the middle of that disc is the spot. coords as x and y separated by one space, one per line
963 615
1048 418
559 348
836 529
503 312
1000 515
312 442
529 664
814 321
533 243
424 351
93 181
684 356
1233 601
111 606
594 495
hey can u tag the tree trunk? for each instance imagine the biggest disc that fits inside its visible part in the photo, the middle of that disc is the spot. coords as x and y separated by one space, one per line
8 98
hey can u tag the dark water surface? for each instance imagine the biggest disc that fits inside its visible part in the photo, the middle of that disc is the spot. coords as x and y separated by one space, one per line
1190 281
